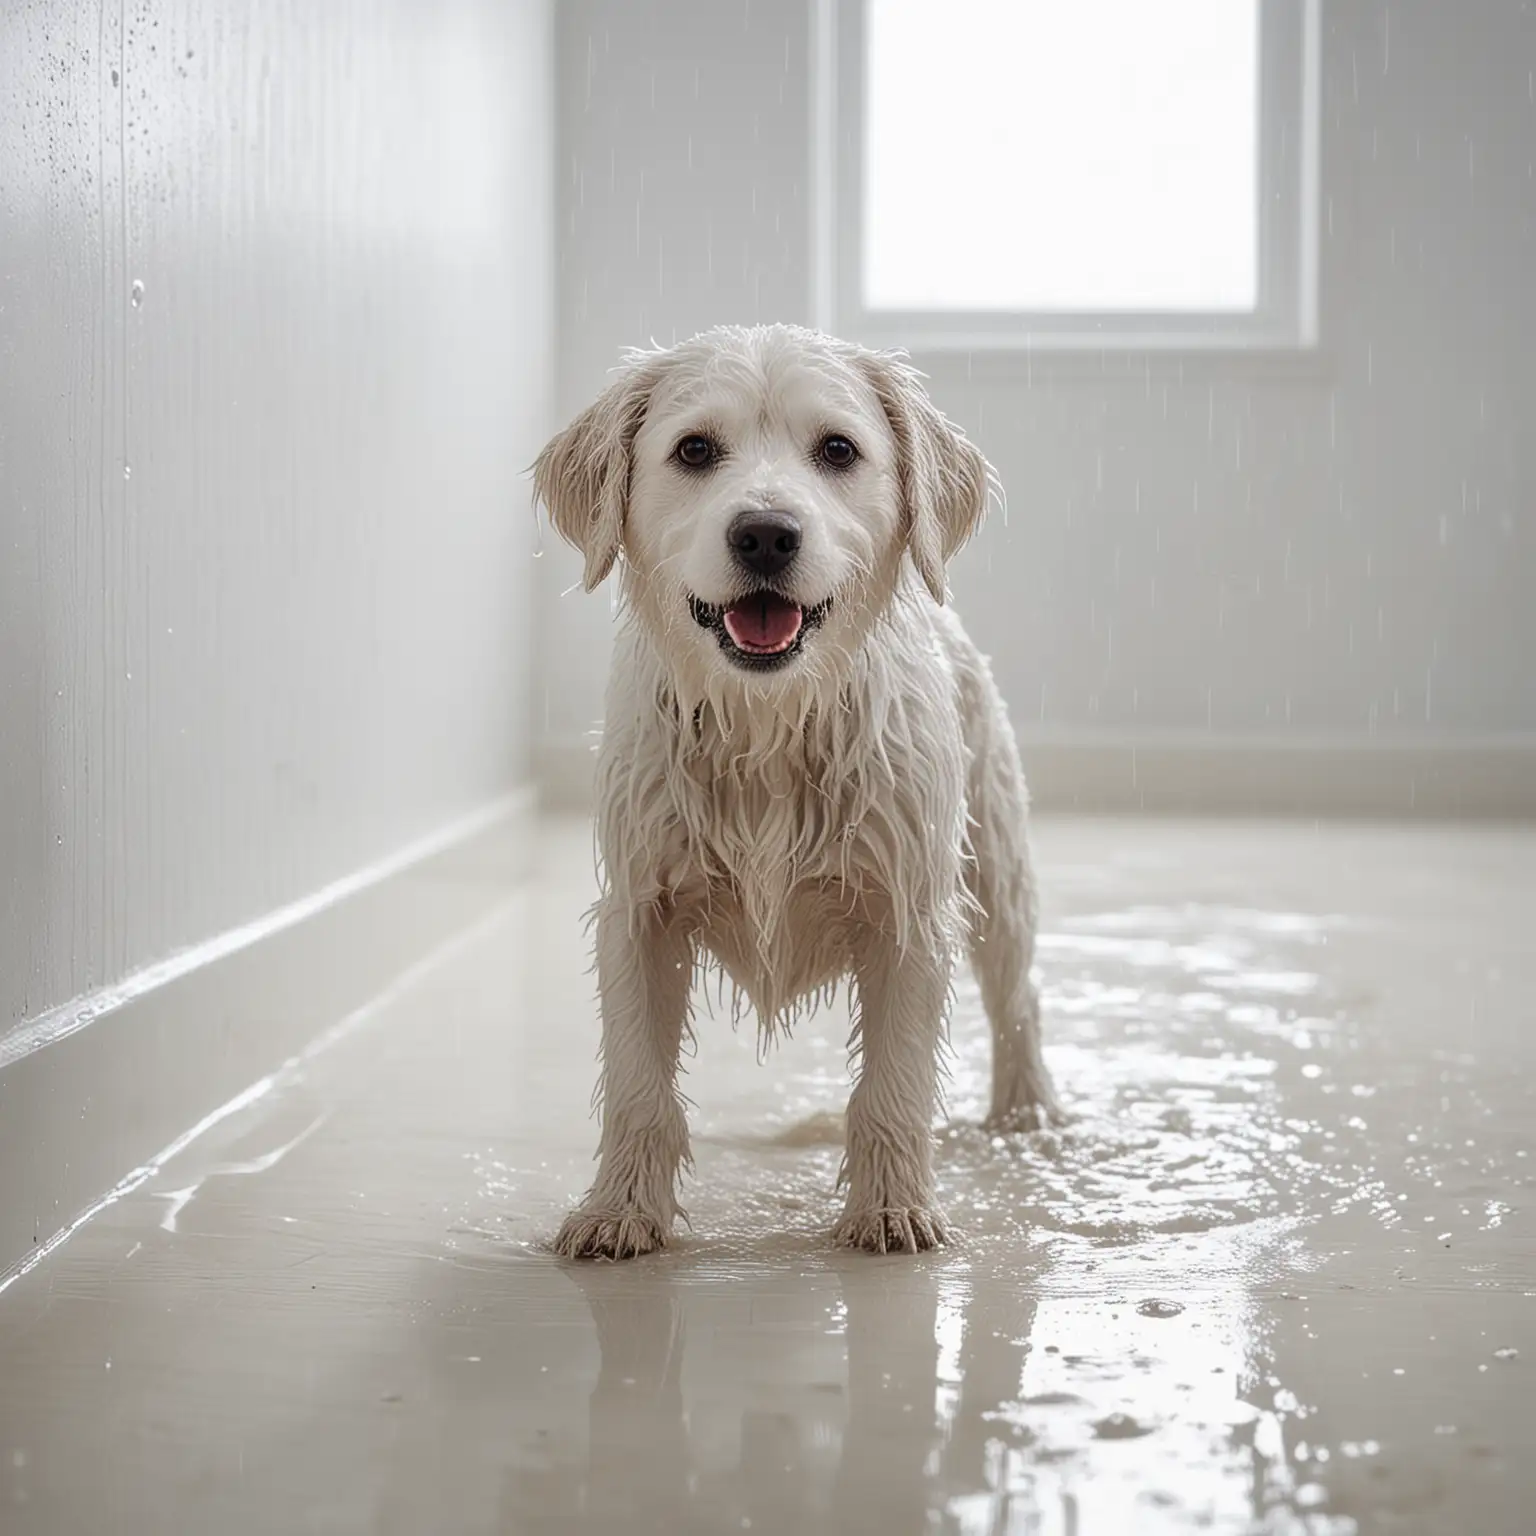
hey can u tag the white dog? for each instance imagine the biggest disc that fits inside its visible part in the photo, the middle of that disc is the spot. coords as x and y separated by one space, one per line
806 770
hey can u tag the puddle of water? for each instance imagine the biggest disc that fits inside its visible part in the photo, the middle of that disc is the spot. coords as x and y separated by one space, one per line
1087 1356
177 1200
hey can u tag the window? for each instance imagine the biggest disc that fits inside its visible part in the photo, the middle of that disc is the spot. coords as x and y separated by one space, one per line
1092 174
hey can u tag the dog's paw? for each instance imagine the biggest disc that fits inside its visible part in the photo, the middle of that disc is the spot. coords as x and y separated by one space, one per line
609 1234
892 1229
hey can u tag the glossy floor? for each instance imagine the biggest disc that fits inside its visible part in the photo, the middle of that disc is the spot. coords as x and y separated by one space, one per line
1278 1272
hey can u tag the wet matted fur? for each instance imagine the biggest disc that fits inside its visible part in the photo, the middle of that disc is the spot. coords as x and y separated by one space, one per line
839 798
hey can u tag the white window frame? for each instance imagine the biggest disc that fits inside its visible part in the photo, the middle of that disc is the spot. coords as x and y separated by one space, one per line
1283 320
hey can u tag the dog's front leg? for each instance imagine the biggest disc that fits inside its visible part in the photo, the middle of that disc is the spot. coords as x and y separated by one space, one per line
889 1165
644 974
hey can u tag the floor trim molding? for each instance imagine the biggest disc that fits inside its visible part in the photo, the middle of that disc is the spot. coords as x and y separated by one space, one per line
1491 779
89 1091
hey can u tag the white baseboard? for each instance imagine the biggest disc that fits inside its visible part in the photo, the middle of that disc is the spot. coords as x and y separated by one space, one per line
90 1092
1492 779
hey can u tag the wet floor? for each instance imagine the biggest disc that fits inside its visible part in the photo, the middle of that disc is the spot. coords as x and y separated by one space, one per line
1278 1272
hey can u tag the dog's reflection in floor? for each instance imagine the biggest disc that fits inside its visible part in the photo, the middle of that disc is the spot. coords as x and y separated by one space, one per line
868 1423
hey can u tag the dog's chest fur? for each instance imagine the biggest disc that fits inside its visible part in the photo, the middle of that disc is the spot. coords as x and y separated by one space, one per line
786 856
768 864
790 842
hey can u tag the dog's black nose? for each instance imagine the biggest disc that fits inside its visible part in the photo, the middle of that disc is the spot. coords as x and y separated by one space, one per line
765 542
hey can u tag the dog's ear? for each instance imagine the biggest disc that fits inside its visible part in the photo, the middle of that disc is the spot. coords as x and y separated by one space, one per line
944 478
582 476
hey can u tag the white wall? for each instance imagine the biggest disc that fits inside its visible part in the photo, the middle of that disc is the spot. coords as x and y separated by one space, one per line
1345 557
263 534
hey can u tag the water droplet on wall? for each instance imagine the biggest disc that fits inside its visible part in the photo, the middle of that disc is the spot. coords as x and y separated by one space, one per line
136 293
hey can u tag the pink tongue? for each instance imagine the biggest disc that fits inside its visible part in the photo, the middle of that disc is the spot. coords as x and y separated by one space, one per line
763 623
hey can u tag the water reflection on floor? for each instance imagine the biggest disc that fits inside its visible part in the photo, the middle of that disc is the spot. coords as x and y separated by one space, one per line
1087 1359
1276 1272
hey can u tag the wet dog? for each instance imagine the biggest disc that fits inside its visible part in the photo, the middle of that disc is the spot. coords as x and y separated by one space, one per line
806 773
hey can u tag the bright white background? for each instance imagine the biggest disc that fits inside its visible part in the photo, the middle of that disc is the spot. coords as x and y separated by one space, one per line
1030 154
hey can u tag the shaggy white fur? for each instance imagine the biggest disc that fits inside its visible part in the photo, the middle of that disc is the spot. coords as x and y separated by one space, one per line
843 803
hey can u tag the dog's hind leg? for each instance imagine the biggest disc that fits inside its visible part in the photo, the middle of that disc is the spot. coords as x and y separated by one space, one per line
644 974
1002 883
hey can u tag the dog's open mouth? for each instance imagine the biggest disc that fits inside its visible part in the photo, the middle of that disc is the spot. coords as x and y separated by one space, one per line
760 631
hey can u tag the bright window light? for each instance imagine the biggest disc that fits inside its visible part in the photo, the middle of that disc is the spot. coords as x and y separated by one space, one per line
1061 155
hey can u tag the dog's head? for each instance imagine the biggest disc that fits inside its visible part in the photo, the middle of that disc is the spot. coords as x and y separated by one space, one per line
762 488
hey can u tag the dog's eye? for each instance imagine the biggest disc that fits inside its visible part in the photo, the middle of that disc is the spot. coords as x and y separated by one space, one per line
836 452
695 452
